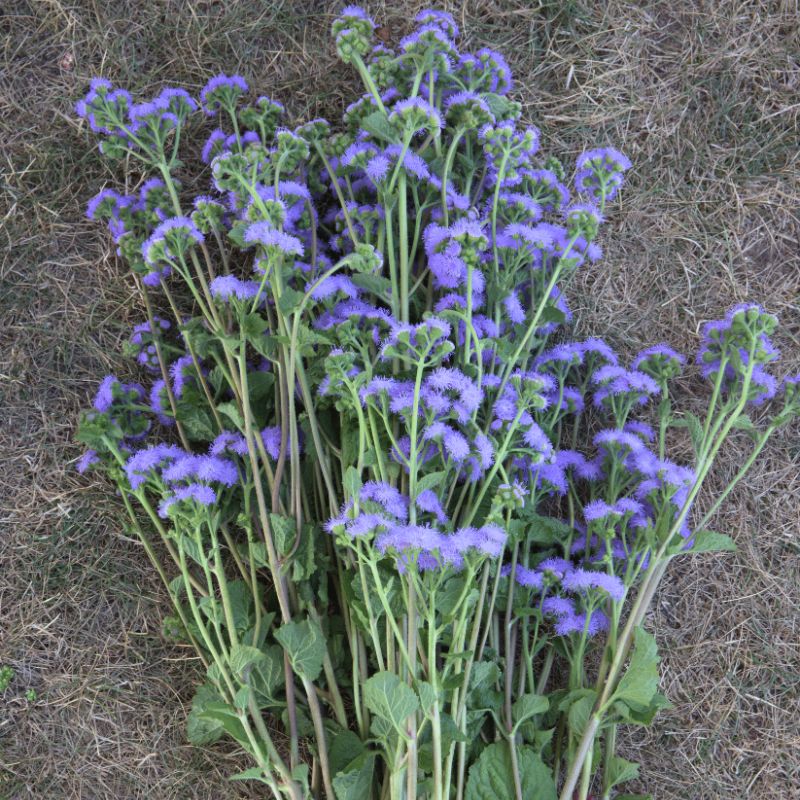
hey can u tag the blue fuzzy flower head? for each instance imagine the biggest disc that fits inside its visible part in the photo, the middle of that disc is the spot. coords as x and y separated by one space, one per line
738 346
601 173
616 384
468 110
275 242
104 205
141 344
116 414
442 19
112 391
176 101
171 240
222 92
229 287
105 109
430 48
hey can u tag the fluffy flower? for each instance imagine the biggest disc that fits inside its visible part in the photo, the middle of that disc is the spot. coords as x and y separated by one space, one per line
225 287
265 234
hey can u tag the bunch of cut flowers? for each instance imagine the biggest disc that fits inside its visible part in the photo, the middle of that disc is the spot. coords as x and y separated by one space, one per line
401 516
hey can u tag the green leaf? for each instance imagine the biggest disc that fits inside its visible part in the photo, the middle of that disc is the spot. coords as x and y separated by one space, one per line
527 706
257 551
639 684
201 731
242 657
430 480
490 777
197 422
546 530
390 699
308 338
305 645
253 325
300 774
260 387
283 532
501 107
231 411
374 284
541 738
304 561
267 675
642 715
355 782
290 301
427 695
242 698
344 746
241 604
252 774
352 482
378 125
744 423
227 717
451 734
579 713
620 770
552 314
484 673
447 598
706 541
692 423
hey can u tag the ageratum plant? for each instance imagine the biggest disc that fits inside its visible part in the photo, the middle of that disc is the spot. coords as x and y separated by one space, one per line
399 513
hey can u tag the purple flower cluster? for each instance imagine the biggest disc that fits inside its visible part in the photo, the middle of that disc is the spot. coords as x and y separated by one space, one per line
427 244
736 350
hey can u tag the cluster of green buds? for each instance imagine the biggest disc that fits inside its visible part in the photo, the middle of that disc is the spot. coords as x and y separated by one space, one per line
171 240
415 116
424 343
229 169
509 150
292 150
511 496
353 32
208 214
263 115
516 208
583 219
365 259
384 67
223 92
529 389
468 111
429 48
661 363
117 415
343 379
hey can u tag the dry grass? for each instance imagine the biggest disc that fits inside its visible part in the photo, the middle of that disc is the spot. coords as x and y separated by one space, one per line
702 95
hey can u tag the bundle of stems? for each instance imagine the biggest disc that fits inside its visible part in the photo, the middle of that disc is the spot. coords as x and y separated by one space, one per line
401 518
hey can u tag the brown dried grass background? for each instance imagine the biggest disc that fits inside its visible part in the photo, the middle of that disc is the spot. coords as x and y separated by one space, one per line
703 96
